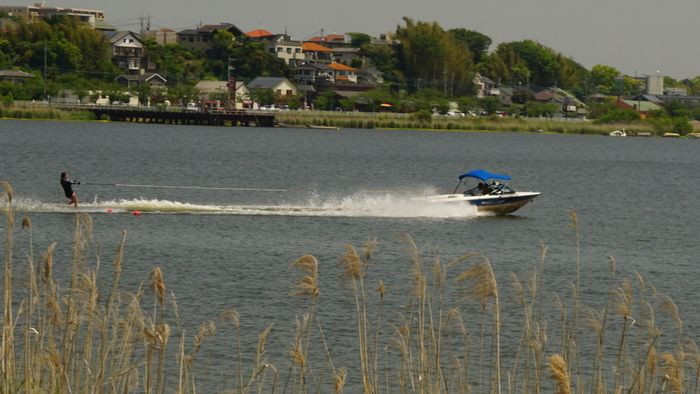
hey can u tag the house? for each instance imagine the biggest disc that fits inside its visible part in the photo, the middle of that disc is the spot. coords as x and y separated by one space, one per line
134 80
202 38
343 73
485 87
162 36
260 34
346 55
316 53
330 40
370 74
568 101
209 90
15 77
280 85
310 75
127 51
640 106
39 11
290 51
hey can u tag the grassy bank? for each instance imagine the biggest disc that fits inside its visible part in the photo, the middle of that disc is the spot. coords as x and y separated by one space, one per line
80 337
404 121
42 112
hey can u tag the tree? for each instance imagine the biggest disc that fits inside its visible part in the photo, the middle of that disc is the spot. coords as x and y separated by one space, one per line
360 40
430 57
477 43
603 78
263 96
490 104
325 101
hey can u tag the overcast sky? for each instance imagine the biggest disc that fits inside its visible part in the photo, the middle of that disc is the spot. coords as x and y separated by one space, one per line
639 36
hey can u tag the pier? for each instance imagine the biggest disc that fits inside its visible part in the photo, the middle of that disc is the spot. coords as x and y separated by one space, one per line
219 118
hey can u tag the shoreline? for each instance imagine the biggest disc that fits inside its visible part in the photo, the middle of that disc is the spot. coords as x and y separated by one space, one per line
381 121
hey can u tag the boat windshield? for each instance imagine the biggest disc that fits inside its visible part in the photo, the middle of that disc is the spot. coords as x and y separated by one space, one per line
489 188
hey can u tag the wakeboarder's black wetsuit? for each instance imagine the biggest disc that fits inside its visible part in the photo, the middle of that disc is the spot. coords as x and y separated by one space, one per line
67 185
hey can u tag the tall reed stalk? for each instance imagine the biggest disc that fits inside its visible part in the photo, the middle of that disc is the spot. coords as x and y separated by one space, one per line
74 338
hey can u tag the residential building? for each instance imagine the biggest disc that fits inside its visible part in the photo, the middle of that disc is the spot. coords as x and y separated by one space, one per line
40 11
309 75
485 87
675 92
369 74
290 51
209 90
127 51
280 85
15 77
202 38
132 80
260 34
316 53
162 36
641 106
346 55
568 103
331 40
343 73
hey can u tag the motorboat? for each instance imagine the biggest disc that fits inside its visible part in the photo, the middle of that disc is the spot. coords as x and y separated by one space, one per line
492 194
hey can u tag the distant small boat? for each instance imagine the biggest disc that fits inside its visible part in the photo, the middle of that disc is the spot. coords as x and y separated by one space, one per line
313 126
671 135
644 134
618 133
694 135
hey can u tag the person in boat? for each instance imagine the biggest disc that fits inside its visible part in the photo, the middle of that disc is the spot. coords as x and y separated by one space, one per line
484 188
67 186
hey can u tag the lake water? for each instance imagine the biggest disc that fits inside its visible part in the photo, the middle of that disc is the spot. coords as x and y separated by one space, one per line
223 248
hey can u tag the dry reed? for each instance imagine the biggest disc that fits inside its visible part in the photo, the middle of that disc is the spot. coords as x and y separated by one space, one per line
78 339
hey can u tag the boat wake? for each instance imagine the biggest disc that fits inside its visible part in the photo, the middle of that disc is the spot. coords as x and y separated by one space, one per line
357 205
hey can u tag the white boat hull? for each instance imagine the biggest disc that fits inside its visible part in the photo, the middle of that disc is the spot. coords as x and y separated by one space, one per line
500 204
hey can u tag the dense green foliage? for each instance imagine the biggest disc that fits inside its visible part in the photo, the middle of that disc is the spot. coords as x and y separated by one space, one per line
425 68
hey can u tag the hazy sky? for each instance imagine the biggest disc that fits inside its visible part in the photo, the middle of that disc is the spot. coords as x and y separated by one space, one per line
639 36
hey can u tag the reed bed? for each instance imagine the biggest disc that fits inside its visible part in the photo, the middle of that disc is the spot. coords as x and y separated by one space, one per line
404 121
445 337
28 112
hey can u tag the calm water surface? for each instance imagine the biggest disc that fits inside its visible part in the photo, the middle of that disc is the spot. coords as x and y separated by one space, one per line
635 200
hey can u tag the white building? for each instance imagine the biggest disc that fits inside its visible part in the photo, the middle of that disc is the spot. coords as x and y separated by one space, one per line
655 84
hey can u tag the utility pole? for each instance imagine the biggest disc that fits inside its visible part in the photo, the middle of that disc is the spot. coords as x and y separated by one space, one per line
45 73
231 77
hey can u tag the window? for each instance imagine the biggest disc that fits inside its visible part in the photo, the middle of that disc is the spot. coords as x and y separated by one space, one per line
289 92
191 39
289 50
279 49
297 50
205 38
279 92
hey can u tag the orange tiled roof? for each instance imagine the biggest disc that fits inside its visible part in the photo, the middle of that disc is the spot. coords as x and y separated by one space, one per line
328 38
310 46
341 67
259 33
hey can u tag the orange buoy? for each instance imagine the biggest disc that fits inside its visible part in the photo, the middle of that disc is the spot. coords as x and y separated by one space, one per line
136 213
109 210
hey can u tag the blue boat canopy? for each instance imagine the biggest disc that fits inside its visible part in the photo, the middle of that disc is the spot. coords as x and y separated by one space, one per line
484 175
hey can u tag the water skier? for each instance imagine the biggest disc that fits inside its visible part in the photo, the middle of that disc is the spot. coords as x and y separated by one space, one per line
67 185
